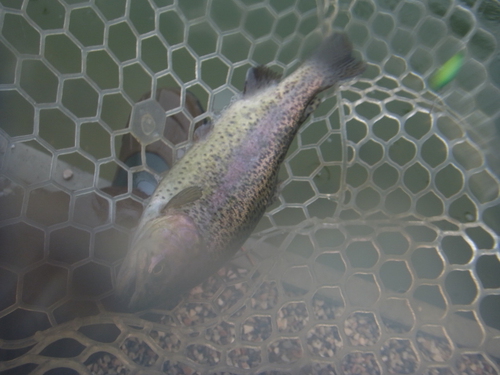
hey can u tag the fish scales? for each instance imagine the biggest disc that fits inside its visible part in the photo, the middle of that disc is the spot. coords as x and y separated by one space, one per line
208 204
268 126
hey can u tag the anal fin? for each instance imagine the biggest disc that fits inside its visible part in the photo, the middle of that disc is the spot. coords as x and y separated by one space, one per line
277 192
311 107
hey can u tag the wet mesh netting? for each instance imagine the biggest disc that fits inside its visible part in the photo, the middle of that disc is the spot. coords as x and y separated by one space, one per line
380 254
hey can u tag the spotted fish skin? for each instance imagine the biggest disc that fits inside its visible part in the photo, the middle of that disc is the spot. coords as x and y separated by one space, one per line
208 204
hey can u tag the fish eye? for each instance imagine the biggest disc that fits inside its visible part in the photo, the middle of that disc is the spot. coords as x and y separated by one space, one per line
159 268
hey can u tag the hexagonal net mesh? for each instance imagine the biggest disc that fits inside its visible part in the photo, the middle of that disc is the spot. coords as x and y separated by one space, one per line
381 253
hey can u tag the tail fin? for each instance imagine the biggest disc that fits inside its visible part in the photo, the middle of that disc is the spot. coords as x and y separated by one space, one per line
335 54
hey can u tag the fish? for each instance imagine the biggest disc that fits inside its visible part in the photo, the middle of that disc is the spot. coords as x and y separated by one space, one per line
211 200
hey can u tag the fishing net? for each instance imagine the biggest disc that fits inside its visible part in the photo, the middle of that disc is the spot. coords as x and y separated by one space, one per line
380 254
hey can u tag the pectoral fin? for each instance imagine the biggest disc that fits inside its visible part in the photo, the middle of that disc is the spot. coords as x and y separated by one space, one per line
186 196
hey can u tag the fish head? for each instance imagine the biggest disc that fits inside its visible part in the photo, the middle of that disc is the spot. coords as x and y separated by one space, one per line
160 257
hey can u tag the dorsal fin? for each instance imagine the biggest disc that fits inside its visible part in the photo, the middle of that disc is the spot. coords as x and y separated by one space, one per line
186 196
259 78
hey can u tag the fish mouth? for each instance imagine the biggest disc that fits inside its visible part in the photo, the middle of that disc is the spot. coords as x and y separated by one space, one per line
132 296
131 291
127 285
137 301
144 299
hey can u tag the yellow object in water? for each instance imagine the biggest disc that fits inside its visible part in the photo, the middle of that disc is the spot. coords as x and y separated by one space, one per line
447 72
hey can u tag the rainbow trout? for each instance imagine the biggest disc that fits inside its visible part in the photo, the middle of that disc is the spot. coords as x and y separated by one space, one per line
209 203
